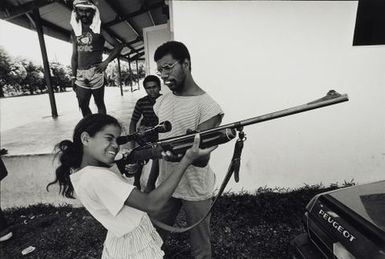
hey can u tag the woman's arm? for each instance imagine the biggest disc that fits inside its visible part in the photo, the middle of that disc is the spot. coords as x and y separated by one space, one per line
156 199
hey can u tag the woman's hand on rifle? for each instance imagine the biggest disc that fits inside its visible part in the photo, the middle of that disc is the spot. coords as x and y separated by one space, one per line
172 156
194 152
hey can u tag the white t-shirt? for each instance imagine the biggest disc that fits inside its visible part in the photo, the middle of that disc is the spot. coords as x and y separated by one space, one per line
187 112
103 193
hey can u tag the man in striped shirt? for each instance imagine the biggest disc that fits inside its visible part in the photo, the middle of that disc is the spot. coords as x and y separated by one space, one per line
144 109
144 106
187 107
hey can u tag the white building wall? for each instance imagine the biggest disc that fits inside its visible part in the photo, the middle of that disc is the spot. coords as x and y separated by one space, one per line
256 57
153 37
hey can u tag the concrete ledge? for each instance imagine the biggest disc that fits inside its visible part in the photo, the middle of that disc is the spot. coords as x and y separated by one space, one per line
28 176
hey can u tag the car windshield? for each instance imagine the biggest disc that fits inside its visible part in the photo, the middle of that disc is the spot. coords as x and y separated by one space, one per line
367 200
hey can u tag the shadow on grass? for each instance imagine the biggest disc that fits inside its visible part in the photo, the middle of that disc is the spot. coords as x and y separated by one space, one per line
243 225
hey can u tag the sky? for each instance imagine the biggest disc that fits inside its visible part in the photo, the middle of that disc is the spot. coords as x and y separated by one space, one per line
21 42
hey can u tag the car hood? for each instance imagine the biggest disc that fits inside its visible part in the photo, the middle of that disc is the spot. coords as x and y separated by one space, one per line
367 200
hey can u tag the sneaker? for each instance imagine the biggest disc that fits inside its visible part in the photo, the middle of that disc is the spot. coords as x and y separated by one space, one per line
5 235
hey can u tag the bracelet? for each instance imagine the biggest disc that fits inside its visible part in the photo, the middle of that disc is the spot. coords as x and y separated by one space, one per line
73 77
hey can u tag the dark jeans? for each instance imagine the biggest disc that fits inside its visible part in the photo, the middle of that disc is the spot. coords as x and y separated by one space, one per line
195 210
3 221
84 97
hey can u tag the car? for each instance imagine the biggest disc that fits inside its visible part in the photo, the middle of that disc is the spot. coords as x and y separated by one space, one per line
345 223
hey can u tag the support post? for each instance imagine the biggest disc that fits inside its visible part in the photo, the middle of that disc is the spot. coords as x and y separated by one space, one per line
137 73
120 77
131 77
47 74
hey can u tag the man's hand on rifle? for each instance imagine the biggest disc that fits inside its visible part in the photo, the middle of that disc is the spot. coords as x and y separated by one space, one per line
128 170
131 169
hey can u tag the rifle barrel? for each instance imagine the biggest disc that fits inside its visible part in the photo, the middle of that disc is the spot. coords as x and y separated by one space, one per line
290 111
225 133
331 98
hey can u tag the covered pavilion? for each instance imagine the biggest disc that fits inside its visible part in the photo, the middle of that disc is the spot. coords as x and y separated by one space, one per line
122 23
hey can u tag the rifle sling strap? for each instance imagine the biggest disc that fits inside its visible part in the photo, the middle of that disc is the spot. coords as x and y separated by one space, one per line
233 168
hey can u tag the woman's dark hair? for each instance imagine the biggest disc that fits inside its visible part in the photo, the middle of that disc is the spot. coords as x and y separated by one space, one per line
70 153
175 48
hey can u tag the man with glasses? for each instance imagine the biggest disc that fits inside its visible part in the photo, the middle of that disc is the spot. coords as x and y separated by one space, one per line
87 55
187 107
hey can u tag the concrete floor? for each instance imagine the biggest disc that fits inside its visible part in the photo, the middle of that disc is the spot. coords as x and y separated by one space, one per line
27 126
30 133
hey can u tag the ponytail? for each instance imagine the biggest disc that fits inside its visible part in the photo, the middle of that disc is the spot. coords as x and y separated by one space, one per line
70 156
70 153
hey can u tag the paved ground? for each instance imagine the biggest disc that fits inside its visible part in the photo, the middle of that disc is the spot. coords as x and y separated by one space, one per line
27 126
30 133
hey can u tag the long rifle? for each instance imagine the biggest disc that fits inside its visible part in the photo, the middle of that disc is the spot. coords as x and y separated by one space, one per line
216 136
224 133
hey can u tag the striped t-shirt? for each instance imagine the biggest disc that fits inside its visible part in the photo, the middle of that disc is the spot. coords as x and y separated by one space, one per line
144 106
187 112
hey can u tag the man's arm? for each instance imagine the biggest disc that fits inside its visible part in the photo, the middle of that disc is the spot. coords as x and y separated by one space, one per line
74 60
211 123
113 54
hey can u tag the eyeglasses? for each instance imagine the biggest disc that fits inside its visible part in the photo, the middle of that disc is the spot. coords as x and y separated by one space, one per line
166 68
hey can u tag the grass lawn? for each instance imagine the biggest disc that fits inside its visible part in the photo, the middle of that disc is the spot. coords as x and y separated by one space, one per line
259 225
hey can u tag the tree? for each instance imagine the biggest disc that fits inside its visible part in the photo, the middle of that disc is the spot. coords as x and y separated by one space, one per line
127 76
35 78
5 69
112 73
17 75
21 76
60 76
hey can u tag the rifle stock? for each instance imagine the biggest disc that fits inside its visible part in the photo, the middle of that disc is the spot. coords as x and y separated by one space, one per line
225 133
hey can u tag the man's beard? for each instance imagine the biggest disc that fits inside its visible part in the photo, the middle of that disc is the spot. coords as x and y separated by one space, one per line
178 86
86 20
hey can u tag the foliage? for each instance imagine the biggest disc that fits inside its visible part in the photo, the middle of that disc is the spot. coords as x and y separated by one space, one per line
5 68
129 74
259 225
60 76
21 77
35 78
